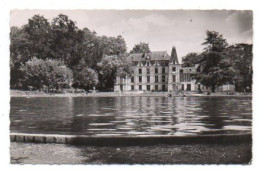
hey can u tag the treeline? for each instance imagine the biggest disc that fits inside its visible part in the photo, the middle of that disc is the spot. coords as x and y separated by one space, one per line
57 54
220 63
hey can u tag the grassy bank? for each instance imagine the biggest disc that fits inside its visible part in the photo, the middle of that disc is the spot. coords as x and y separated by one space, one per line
21 93
28 153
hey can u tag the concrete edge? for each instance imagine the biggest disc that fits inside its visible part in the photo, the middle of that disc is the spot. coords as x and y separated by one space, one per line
129 140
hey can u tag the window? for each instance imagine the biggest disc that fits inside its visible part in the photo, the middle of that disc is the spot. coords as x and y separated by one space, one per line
140 87
132 87
188 78
148 79
156 87
140 71
132 79
174 69
185 78
148 87
156 70
173 78
163 87
156 79
173 87
188 87
163 70
182 87
140 78
148 70
181 71
182 78
163 78
121 80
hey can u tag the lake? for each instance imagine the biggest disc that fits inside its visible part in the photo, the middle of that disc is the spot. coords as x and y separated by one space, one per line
131 116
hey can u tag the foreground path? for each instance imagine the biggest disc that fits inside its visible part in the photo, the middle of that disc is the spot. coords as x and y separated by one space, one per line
30 153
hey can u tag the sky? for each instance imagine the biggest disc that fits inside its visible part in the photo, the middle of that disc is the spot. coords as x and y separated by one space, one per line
162 29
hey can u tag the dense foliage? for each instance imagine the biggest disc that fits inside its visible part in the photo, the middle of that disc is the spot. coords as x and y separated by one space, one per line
140 48
45 74
111 67
60 40
190 60
221 64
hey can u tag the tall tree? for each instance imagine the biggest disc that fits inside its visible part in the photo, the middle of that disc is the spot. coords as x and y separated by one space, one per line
66 38
140 48
19 52
31 40
190 60
110 68
214 68
241 56
38 34
84 77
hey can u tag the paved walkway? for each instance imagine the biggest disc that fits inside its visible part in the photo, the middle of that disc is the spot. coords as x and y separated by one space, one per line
29 153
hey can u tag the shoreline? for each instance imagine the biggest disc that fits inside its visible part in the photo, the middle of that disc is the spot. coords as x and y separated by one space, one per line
28 94
129 140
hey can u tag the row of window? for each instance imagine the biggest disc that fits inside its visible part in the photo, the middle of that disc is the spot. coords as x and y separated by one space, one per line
148 87
183 78
148 79
156 70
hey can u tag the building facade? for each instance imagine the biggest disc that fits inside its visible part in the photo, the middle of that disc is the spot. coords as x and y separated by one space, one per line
159 71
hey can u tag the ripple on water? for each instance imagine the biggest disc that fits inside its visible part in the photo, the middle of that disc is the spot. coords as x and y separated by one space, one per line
131 116
100 124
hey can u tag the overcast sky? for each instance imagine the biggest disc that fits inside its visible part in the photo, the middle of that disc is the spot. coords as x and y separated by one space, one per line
184 29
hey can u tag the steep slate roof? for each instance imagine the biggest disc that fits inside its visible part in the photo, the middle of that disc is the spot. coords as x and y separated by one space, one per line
156 55
174 55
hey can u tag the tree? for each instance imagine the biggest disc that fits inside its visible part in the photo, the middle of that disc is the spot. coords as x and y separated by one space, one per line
18 53
84 77
241 57
110 67
190 60
38 32
51 73
66 40
31 40
140 48
214 68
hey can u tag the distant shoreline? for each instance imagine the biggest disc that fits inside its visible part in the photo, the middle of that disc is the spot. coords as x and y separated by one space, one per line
20 93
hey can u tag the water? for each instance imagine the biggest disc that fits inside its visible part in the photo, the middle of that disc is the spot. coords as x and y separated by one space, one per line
131 116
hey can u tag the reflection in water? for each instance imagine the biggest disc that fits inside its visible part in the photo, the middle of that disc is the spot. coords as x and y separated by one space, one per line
131 115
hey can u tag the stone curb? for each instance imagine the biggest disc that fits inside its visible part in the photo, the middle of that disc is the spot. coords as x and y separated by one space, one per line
128 140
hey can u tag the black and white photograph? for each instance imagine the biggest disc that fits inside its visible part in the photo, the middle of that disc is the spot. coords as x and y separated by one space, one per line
131 86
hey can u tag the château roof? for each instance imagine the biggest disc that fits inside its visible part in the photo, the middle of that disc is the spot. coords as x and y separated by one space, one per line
155 55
